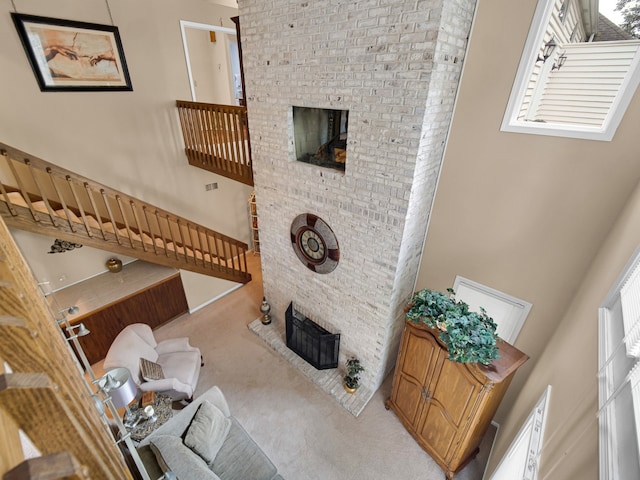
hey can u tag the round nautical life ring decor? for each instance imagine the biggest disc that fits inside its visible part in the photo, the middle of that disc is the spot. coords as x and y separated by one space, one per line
315 243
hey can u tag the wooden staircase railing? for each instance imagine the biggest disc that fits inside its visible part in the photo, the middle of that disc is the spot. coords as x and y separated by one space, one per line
216 138
40 197
45 394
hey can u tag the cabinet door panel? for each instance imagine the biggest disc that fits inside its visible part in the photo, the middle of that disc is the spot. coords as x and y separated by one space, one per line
409 398
437 430
418 356
446 418
456 389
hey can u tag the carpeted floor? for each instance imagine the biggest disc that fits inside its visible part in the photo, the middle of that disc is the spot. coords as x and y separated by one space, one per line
304 431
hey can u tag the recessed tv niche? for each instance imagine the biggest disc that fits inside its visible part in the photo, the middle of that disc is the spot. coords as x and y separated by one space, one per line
320 136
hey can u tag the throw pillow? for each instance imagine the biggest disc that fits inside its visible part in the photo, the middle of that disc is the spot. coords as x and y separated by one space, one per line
173 456
207 432
150 370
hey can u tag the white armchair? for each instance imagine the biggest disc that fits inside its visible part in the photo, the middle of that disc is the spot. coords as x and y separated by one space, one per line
180 361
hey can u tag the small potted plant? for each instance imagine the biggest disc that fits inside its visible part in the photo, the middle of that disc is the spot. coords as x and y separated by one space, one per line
470 337
352 379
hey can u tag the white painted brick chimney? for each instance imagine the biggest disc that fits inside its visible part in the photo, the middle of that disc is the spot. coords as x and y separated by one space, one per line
395 66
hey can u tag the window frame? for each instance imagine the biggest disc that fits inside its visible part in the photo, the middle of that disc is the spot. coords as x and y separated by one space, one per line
607 431
604 132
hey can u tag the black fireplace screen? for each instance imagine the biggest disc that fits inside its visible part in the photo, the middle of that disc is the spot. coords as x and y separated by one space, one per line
310 341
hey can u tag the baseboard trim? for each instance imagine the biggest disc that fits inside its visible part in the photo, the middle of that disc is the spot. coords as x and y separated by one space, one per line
208 302
493 444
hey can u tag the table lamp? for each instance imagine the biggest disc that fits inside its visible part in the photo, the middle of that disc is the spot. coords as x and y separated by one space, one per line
119 384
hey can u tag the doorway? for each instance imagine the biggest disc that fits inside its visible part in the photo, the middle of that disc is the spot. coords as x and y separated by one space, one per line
213 63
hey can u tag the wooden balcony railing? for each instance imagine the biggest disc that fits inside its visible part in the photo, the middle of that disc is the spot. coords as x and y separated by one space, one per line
216 138
38 196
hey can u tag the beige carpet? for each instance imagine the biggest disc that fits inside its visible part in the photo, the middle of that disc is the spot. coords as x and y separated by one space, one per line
304 431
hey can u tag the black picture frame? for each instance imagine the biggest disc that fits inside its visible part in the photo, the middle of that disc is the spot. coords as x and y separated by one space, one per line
66 55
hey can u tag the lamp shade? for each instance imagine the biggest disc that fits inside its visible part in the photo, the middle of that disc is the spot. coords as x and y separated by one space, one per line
120 386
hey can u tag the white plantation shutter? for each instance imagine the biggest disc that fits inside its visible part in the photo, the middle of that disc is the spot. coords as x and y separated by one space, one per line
619 377
634 381
630 298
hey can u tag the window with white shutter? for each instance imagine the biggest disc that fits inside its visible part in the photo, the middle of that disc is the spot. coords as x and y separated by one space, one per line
570 81
619 377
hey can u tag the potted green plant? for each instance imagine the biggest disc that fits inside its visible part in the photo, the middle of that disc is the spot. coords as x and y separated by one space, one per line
470 337
352 378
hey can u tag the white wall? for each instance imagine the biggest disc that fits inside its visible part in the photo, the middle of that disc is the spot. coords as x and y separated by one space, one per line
550 220
130 141
61 269
210 66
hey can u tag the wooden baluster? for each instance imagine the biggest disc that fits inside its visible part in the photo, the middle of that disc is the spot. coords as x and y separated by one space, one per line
233 141
237 139
225 251
244 257
199 125
172 236
195 137
183 123
79 204
184 245
188 128
11 452
98 217
49 467
235 260
164 237
151 234
105 199
212 249
204 246
134 210
61 198
218 141
207 135
228 147
41 194
12 210
126 222
23 190
193 246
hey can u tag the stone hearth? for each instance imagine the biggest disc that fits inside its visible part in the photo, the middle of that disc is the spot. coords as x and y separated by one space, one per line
329 381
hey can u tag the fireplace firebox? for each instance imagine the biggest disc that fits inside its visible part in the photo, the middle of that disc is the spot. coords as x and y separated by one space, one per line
320 136
310 341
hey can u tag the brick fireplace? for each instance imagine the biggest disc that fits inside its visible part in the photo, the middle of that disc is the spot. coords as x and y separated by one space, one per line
394 66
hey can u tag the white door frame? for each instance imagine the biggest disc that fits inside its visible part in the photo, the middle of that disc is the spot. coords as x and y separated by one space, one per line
199 26
523 457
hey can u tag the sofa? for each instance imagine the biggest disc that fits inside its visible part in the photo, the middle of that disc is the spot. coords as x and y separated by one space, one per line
203 441
177 362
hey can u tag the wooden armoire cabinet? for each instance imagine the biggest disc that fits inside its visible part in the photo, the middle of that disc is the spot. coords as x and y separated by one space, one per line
447 406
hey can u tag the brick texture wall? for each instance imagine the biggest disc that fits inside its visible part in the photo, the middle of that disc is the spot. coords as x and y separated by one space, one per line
395 66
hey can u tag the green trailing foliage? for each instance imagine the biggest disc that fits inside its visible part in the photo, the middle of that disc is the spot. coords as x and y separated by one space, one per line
470 337
352 379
